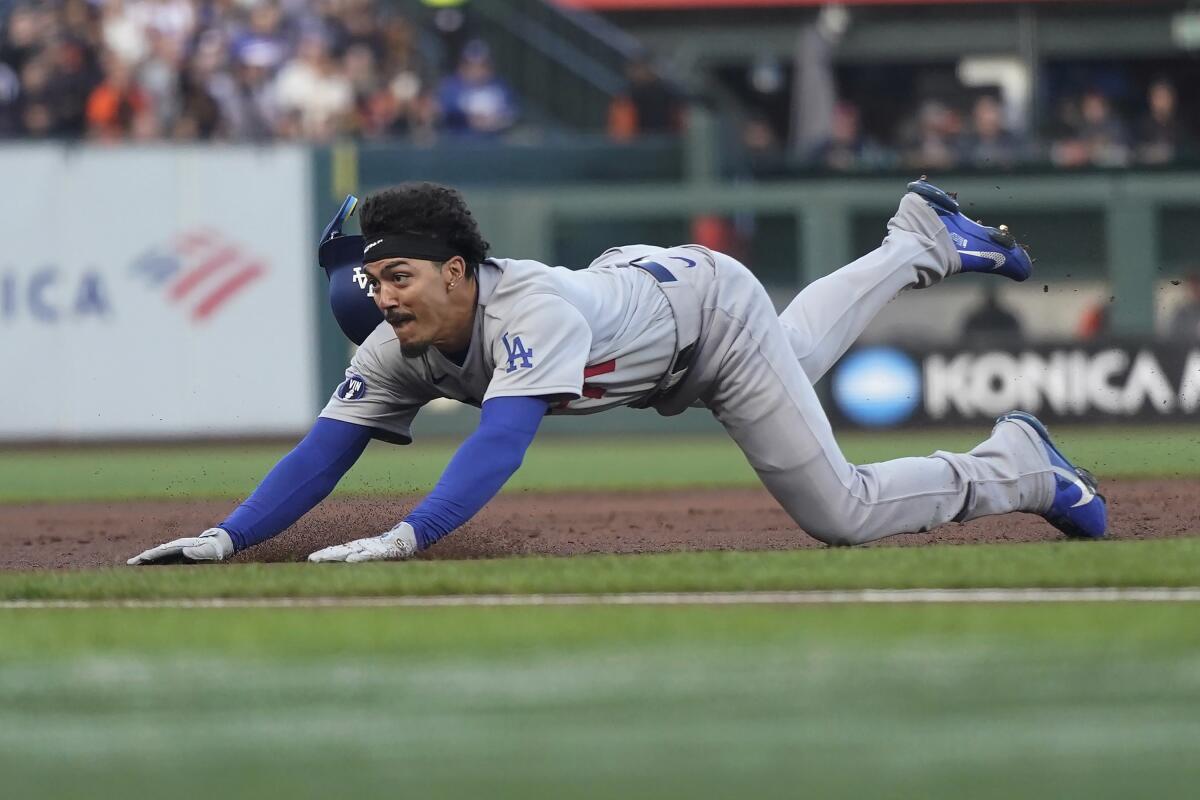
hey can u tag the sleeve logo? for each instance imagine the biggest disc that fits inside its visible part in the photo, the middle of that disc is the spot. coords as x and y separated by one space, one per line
353 388
517 352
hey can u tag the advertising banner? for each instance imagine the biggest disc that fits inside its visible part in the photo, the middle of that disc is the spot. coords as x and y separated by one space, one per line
883 387
155 292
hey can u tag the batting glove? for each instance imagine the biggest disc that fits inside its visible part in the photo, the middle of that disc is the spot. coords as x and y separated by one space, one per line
212 545
397 544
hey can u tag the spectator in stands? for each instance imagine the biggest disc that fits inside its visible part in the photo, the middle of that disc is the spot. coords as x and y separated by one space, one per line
762 153
265 42
402 109
386 104
474 101
10 95
934 139
848 148
1066 148
73 75
55 66
246 98
649 105
759 138
1161 136
314 92
449 23
1096 320
173 20
35 101
118 107
402 106
79 20
1104 133
199 112
359 64
207 91
123 34
1091 134
357 26
989 144
399 49
159 75
991 323
25 35
1185 322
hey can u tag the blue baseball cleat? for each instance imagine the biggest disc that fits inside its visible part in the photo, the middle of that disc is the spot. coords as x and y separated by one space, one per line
980 248
1078 510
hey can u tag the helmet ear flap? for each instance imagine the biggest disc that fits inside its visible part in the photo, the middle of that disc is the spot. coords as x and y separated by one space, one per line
353 307
349 292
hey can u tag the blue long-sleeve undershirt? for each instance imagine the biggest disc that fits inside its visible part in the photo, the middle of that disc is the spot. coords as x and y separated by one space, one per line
301 479
306 475
480 468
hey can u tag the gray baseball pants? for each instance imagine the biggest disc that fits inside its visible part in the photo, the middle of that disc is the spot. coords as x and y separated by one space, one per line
756 370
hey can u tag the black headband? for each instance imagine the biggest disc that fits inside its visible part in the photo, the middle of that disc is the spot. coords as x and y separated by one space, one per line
403 245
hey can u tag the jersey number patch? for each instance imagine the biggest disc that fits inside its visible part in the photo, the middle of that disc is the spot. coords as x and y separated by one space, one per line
517 352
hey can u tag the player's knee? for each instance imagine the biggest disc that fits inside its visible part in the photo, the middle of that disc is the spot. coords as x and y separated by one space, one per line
835 534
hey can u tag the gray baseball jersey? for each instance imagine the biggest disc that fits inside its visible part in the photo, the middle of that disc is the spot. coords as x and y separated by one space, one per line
591 339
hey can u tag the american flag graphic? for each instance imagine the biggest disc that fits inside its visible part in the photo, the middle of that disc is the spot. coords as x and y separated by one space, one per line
200 271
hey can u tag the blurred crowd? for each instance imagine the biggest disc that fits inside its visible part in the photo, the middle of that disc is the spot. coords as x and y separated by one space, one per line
1086 130
240 70
316 70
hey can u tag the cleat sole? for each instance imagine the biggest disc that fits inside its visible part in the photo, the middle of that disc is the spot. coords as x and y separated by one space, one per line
1002 238
934 195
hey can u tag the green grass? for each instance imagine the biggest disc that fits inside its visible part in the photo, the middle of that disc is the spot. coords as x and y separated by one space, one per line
229 471
1164 562
885 702
981 701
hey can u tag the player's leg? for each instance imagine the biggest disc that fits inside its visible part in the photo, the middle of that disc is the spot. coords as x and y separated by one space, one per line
927 240
831 313
767 403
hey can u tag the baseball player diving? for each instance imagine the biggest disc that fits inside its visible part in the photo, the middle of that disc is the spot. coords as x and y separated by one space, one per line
650 327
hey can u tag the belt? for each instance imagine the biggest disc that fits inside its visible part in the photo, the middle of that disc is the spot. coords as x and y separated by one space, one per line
684 356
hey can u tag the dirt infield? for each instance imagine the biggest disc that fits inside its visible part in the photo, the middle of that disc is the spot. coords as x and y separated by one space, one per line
520 523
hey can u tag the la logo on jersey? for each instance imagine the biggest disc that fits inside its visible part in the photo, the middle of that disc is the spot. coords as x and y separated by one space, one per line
517 352
353 388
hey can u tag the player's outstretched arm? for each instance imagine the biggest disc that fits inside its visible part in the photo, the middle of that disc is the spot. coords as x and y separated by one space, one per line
483 463
301 479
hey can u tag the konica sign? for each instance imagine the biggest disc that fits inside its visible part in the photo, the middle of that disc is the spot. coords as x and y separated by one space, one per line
886 386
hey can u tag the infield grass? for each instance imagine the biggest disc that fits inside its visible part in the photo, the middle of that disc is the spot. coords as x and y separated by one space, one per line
886 702
1162 562
553 463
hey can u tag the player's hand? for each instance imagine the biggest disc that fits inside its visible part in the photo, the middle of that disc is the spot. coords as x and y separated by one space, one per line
212 545
397 544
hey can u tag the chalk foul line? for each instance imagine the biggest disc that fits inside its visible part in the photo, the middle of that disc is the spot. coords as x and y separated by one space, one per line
838 597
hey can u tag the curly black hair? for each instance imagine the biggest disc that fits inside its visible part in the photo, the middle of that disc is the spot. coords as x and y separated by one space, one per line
425 209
